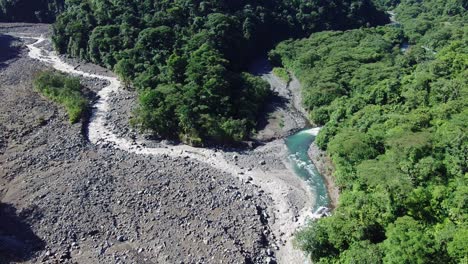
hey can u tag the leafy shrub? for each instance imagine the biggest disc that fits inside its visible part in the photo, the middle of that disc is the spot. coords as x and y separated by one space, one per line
282 73
63 90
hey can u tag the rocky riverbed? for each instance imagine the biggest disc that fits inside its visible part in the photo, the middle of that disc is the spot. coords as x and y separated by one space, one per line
73 201
64 199
324 165
284 114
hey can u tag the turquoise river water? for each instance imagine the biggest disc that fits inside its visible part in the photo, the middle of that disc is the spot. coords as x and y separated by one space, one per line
298 145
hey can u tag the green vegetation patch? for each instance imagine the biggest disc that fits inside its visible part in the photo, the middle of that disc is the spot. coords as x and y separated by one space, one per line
63 90
282 73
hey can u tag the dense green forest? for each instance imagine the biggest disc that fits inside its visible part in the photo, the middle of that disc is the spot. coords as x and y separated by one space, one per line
395 125
187 58
43 11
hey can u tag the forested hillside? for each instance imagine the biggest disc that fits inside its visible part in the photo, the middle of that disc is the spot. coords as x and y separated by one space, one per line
187 58
396 129
43 11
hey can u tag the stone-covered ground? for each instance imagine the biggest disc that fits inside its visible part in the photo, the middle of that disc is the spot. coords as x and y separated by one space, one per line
66 200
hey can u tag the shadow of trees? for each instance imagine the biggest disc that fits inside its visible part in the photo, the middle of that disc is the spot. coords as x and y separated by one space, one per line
7 50
17 240
259 67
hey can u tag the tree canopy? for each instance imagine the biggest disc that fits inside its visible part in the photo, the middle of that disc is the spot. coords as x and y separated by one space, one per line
187 58
395 126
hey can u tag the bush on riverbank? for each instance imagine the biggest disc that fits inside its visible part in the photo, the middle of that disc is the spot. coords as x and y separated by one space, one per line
63 90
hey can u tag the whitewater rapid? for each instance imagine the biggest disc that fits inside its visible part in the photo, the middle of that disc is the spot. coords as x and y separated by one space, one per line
312 131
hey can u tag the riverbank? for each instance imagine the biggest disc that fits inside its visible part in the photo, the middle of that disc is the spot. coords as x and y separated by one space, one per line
282 115
324 165
266 167
320 158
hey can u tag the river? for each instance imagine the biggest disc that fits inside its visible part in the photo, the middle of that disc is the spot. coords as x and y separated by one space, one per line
294 119
298 146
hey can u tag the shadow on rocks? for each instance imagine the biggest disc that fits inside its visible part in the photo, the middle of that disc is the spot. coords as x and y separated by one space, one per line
8 51
259 67
17 241
274 102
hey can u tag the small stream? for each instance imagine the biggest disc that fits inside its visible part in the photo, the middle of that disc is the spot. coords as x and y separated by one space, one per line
298 146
